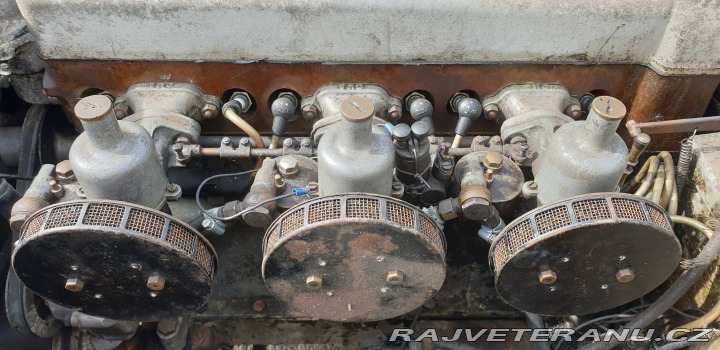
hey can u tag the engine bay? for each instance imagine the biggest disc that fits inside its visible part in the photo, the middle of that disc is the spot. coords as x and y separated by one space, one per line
166 189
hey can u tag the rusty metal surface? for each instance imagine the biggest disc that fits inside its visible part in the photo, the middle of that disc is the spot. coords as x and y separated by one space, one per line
96 255
354 257
571 257
649 96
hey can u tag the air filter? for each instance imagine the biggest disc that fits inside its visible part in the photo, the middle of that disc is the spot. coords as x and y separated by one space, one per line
584 254
354 257
115 259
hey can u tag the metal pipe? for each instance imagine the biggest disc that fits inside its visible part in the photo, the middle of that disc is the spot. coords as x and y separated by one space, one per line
244 126
675 126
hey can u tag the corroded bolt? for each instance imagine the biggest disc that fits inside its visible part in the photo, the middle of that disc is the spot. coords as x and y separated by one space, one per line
310 112
547 277
121 109
313 282
574 111
305 142
259 306
313 187
64 170
156 282
210 110
394 112
493 160
491 111
288 142
74 285
395 277
625 275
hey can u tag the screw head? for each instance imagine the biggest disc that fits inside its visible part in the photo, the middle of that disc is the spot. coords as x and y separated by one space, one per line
313 282
288 142
74 285
244 141
533 185
625 275
547 277
156 282
395 277
226 141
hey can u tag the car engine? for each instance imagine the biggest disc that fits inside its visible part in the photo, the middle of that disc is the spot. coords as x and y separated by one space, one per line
246 174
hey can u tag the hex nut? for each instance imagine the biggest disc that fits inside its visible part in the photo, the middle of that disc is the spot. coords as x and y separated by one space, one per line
395 277
310 112
547 277
314 282
574 111
394 112
491 111
625 275
210 110
447 210
156 282
74 285
64 170
288 166
493 160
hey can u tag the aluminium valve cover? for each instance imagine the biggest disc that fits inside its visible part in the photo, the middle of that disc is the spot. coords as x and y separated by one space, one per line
115 259
354 257
584 254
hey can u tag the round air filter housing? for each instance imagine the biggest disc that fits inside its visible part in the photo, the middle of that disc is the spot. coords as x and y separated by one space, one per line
115 259
354 257
584 254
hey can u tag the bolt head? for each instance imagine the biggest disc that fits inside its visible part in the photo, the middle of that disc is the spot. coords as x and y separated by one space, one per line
288 142
210 110
313 282
288 166
476 208
64 169
395 277
226 141
156 282
244 141
394 112
446 210
259 306
121 109
493 160
74 285
547 277
625 275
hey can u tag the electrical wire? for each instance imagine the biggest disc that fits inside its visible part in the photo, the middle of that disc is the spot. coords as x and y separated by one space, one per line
295 192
